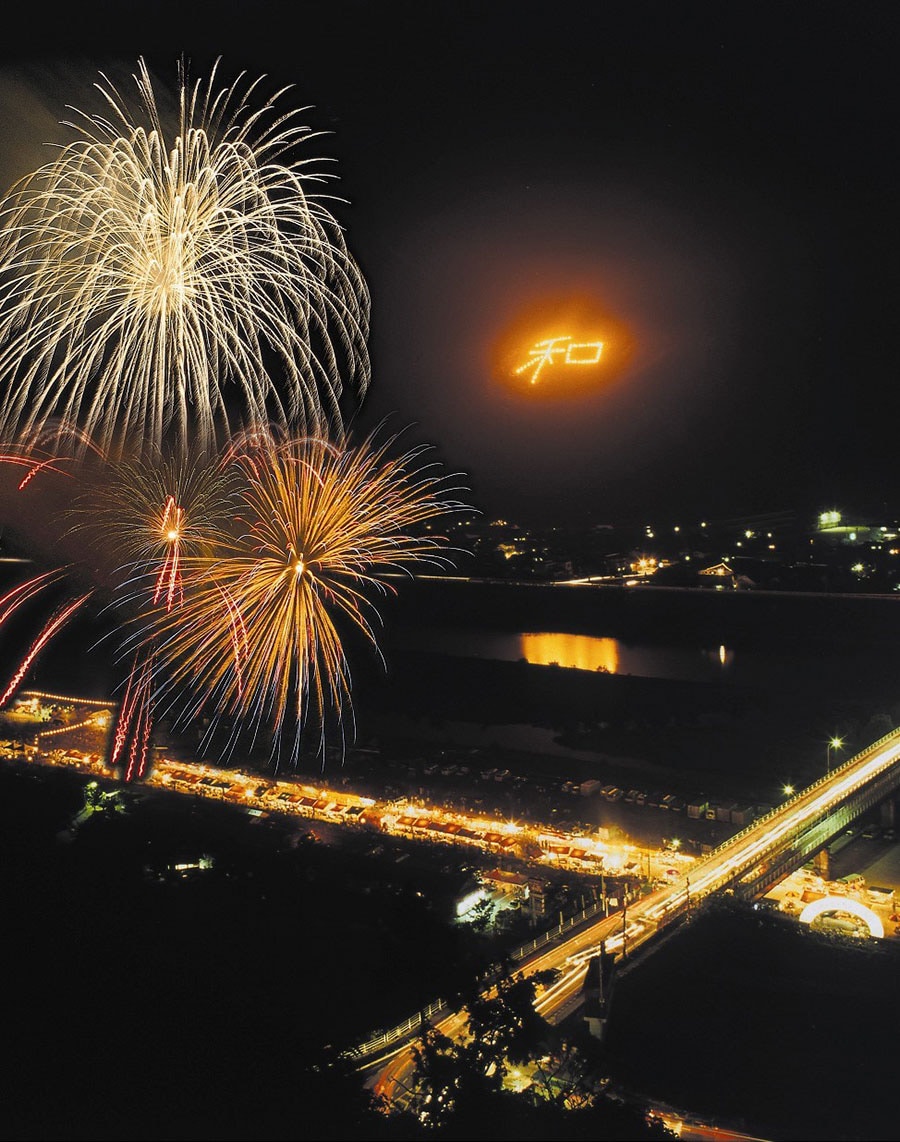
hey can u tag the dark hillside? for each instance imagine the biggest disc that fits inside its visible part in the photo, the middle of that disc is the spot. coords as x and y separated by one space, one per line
764 1024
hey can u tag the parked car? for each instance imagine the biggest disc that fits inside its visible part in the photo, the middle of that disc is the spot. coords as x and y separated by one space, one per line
871 832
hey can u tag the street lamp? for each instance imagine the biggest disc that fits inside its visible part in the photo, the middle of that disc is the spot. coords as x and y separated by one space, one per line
835 743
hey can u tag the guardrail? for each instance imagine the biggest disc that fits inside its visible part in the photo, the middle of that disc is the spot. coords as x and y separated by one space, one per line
778 810
403 1030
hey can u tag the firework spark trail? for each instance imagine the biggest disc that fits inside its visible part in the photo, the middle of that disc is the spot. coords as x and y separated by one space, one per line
238 631
143 724
150 271
168 581
34 467
22 592
322 525
51 628
41 451
123 721
134 724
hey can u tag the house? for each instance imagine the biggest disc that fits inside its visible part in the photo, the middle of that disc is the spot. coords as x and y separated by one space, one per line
720 575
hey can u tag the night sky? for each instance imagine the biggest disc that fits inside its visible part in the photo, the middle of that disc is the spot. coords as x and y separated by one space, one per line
708 188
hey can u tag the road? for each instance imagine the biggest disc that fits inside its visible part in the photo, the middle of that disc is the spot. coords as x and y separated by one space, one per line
389 1073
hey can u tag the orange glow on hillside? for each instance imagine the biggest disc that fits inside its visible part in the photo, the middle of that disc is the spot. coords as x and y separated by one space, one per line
558 348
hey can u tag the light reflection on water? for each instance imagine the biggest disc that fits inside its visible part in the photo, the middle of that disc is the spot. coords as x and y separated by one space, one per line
574 652
610 656
579 651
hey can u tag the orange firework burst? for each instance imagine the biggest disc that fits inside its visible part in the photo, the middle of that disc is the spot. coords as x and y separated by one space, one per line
258 633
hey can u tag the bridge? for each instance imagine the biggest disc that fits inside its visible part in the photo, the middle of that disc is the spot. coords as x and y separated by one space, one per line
746 866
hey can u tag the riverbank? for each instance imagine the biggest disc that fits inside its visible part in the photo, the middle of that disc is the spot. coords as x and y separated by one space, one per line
685 616
716 738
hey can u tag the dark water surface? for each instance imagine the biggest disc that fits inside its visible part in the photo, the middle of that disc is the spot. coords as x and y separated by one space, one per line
714 688
748 638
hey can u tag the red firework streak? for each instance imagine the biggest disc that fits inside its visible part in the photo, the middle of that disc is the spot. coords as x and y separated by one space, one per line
51 627
131 742
22 592
50 464
168 582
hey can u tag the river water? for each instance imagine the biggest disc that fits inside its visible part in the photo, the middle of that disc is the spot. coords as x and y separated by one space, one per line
610 655
687 636
764 639
740 691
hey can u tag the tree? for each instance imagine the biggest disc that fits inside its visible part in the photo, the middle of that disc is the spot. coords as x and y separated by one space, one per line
463 1089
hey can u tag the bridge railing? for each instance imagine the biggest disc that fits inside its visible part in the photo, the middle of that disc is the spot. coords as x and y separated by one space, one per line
736 838
440 1006
736 872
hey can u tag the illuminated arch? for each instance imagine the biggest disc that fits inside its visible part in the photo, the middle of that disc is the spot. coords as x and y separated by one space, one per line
842 904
